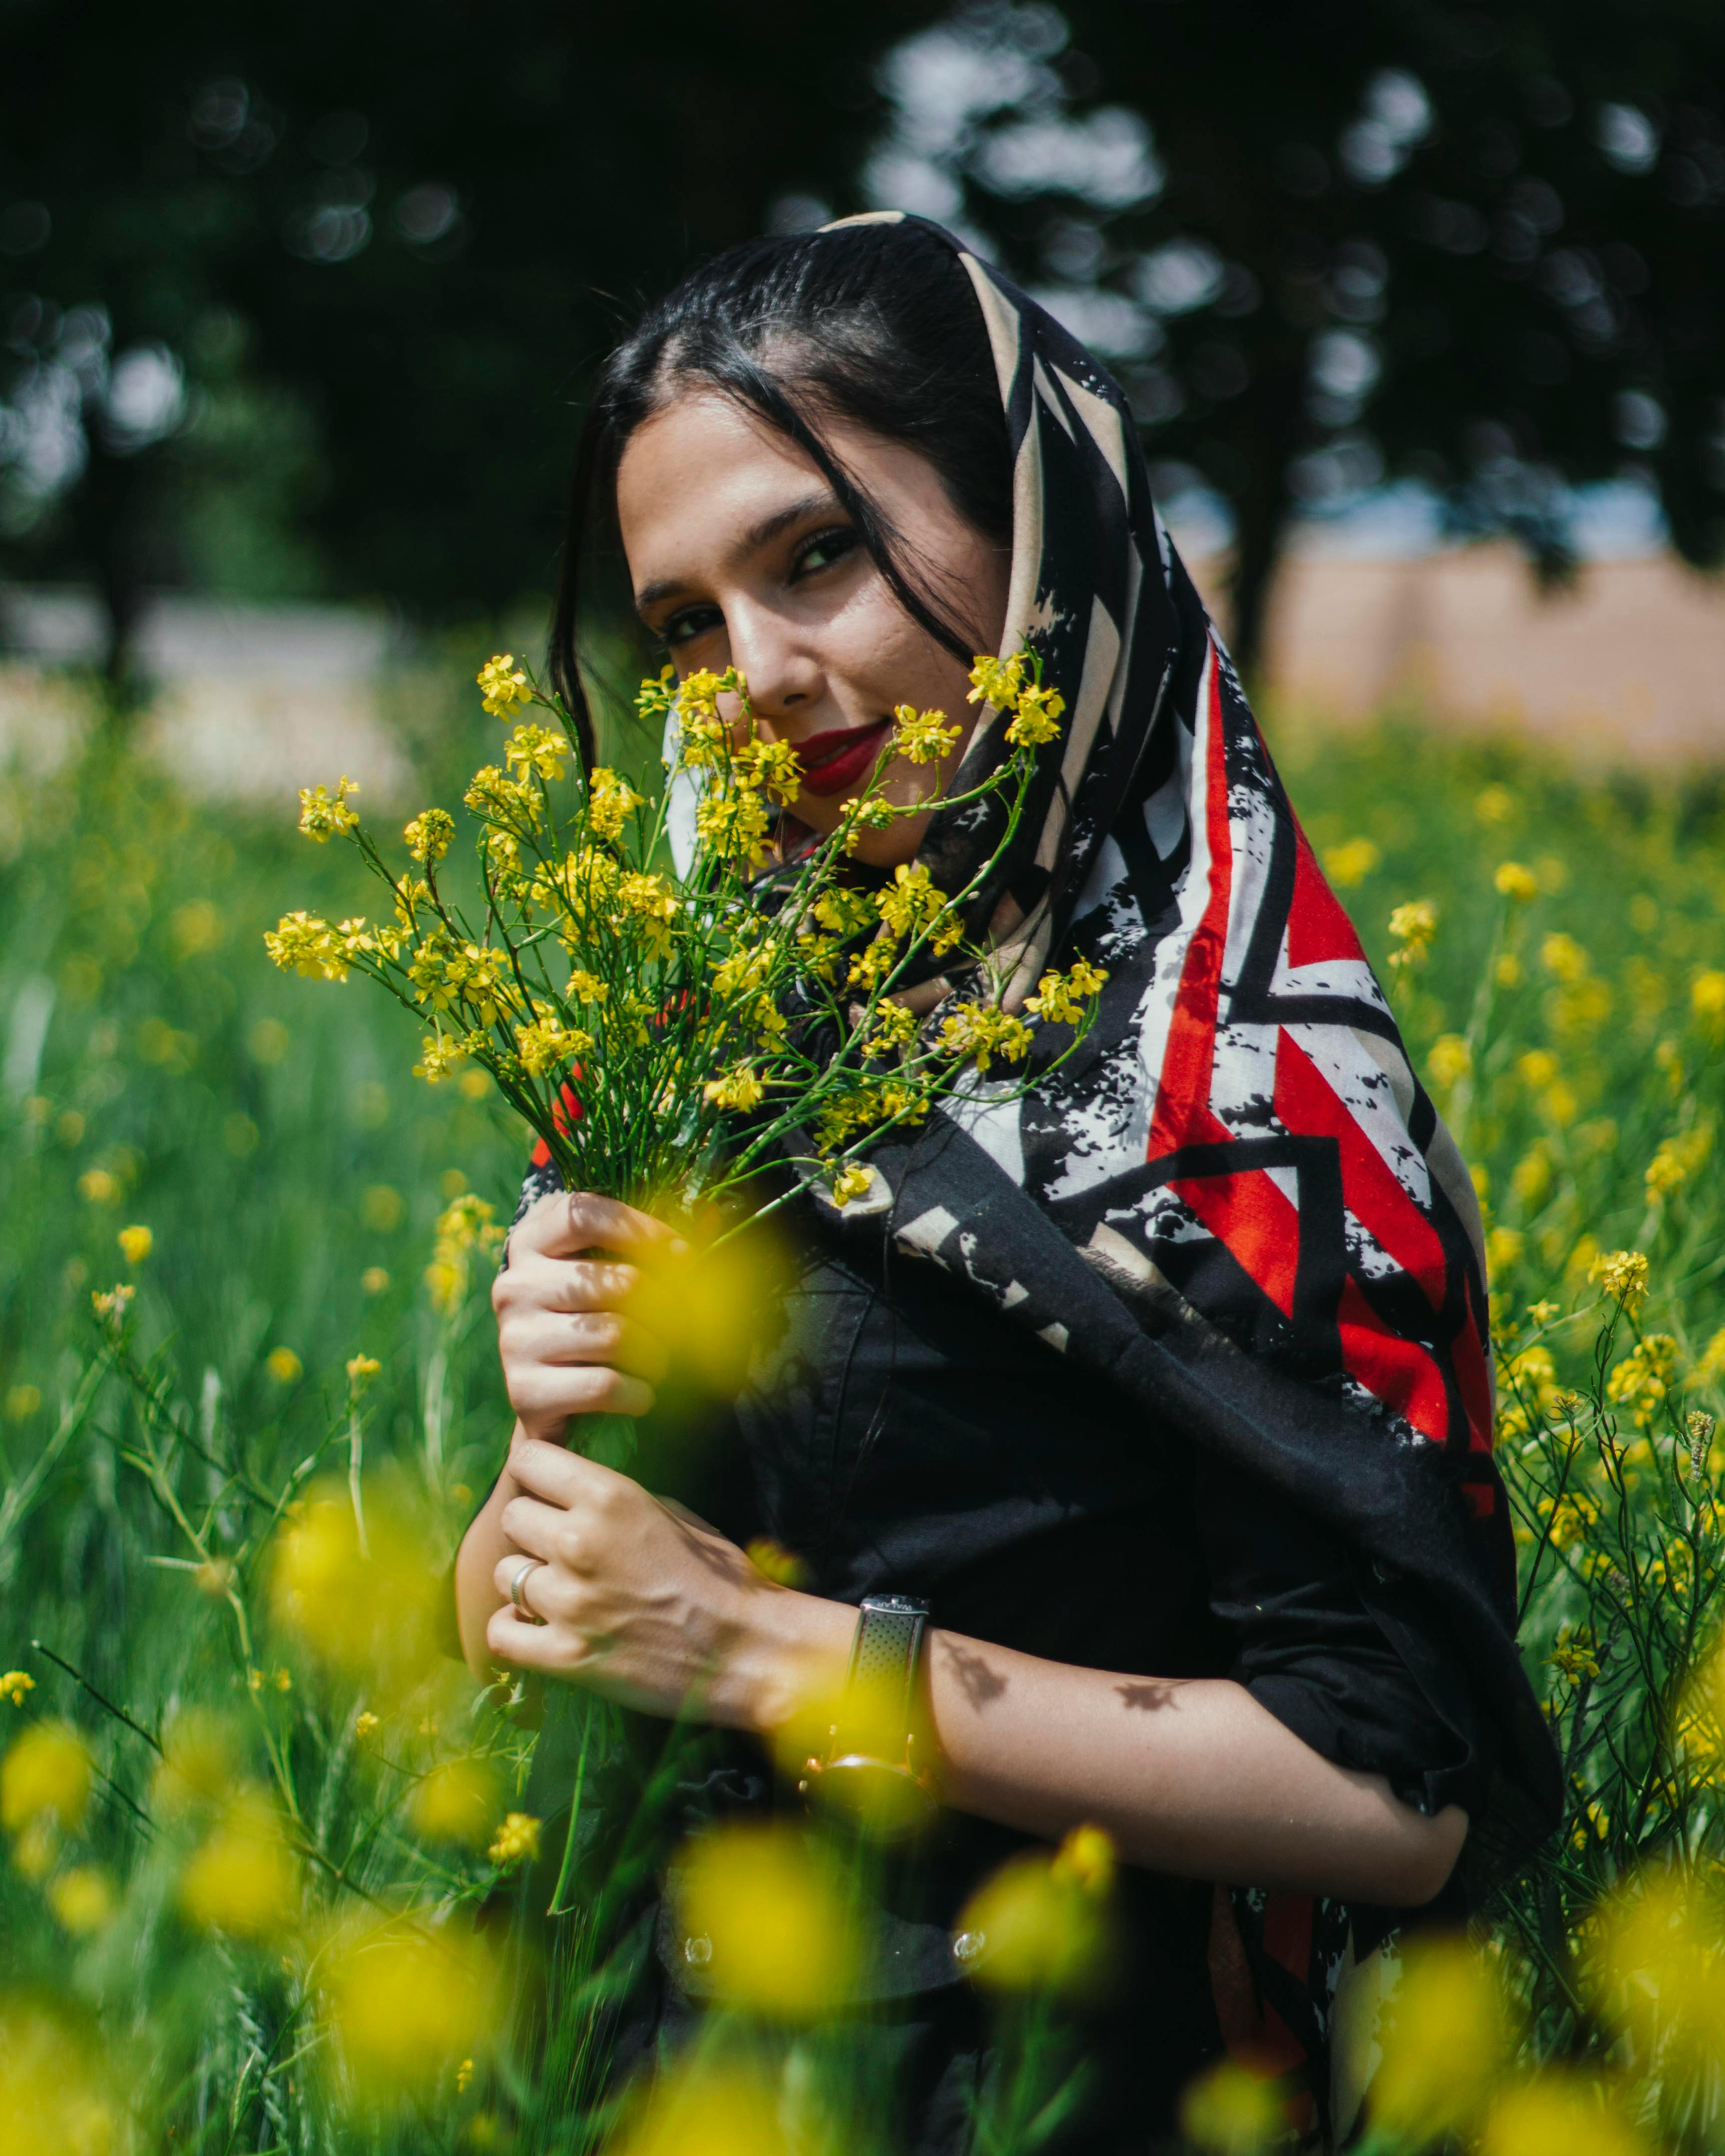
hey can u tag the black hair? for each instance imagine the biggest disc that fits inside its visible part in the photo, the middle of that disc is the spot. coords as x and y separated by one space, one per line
877 324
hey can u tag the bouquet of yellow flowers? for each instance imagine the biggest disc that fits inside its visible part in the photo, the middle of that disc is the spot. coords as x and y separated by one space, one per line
671 1031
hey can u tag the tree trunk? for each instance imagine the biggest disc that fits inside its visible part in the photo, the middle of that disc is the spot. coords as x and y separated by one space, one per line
1271 429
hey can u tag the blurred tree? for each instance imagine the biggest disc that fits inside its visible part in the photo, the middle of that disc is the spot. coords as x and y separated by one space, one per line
305 298
1478 246
293 296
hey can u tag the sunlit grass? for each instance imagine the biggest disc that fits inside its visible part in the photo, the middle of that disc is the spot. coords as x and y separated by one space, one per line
244 1844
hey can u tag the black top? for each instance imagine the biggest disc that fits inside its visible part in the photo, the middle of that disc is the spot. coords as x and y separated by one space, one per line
898 1433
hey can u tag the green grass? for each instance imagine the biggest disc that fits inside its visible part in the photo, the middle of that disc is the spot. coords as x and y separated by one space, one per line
267 1132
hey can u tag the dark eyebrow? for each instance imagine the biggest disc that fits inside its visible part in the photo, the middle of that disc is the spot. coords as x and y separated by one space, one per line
757 535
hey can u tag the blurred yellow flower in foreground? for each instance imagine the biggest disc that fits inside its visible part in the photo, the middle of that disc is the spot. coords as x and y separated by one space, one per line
371 1618
1517 884
707 2111
1656 1969
283 1365
1041 1923
1558 2114
1449 1059
1443 2043
1707 999
52 2100
1232 2111
136 1244
456 1802
198 1766
14 1686
44 1778
406 2003
81 1898
242 1880
764 1923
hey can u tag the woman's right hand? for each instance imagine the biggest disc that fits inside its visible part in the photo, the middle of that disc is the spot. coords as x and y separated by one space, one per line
568 1343
569 1347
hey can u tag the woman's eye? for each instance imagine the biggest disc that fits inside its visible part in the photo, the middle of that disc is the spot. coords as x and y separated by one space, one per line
692 622
824 549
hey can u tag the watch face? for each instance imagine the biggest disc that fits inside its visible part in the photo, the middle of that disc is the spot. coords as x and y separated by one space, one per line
888 1803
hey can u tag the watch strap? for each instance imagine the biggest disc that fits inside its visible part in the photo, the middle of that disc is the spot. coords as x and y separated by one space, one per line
874 1718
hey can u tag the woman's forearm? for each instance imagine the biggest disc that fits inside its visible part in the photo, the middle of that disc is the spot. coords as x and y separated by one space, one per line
1189 1774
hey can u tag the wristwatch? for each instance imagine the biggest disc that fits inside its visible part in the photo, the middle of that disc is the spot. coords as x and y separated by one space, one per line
871 1765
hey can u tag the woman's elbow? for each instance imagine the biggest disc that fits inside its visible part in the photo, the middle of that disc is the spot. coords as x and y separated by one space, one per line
1423 1866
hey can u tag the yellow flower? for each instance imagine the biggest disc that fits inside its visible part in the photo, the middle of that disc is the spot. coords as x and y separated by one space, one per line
1230 2110
740 1089
774 1562
374 1280
283 1365
100 1187
53 2100
981 1032
516 1841
1443 2043
895 1028
1623 1275
406 2003
135 1245
997 681
921 736
44 1778
1558 2113
439 1054
81 1898
1414 924
703 2109
1503 1249
773 766
1040 1924
845 909
1707 999
1450 1058
1496 804
1641 1381
428 836
1038 710
609 801
852 1182
368 1614
1563 957
909 902
324 815
1061 1002
366 1724
22 1402
764 1925
502 685
456 1802
1519 885
548 1044
1677 1160
1576 1655
305 944
16 1685
113 1304
536 749
361 1371
1351 863
733 826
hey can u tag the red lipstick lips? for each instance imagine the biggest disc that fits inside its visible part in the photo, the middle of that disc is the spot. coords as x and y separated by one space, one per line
835 760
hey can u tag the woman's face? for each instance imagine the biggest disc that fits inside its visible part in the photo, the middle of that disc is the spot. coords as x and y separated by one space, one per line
740 556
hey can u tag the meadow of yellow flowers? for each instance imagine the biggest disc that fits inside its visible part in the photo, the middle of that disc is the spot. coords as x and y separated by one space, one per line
270 1881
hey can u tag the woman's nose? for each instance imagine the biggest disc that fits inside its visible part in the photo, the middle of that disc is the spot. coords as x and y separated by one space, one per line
784 676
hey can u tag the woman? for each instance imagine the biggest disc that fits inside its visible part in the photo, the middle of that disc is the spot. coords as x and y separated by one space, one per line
1165 1388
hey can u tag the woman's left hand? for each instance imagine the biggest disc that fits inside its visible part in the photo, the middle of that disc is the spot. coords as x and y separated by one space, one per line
646 1603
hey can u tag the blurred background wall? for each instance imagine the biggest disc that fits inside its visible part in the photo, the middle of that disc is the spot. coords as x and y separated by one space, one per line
1418 306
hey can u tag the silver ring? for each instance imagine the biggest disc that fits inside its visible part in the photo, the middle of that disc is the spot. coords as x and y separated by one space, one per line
515 1585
